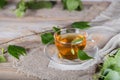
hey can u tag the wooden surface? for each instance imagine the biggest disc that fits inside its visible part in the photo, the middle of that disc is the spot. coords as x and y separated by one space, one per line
7 72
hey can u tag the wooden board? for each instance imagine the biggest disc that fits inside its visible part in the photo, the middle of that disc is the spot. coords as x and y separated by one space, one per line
7 72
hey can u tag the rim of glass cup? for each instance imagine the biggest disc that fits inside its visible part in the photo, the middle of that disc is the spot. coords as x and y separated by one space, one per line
84 32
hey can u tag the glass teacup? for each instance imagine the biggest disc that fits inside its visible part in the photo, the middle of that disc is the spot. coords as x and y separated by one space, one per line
68 41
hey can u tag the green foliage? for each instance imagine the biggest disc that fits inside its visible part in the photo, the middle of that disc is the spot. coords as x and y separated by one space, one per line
112 75
21 8
2 57
3 3
111 68
39 4
72 4
16 51
83 55
56 29
80 25
47 37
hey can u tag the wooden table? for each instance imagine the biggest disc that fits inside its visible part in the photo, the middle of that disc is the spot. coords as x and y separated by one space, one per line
8 24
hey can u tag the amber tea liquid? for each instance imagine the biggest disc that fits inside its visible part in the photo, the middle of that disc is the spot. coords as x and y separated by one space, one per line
64 45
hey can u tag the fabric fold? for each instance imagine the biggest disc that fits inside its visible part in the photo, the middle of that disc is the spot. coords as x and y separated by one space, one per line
105 31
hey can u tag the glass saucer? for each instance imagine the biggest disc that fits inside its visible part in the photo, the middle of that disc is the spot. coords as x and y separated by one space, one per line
51 52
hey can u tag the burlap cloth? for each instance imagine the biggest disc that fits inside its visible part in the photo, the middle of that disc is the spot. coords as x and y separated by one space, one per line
105 26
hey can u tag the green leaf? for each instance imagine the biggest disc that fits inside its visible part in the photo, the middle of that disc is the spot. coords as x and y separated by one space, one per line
116 65
64 4
21 8
39 4
112 75
112 62
117 55
83 55
47 38
76 41
2 57
2 50
56 29
72 4
106 71
80 25
80 5
16 51
108 63
111 67
2 3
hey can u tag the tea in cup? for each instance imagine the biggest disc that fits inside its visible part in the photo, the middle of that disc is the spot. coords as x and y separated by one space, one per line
68 41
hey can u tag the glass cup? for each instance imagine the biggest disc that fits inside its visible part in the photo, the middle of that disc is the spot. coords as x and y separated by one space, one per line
68 41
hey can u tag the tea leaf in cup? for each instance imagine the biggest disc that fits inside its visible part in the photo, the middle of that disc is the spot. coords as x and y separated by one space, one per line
83 55
76 41
72 51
